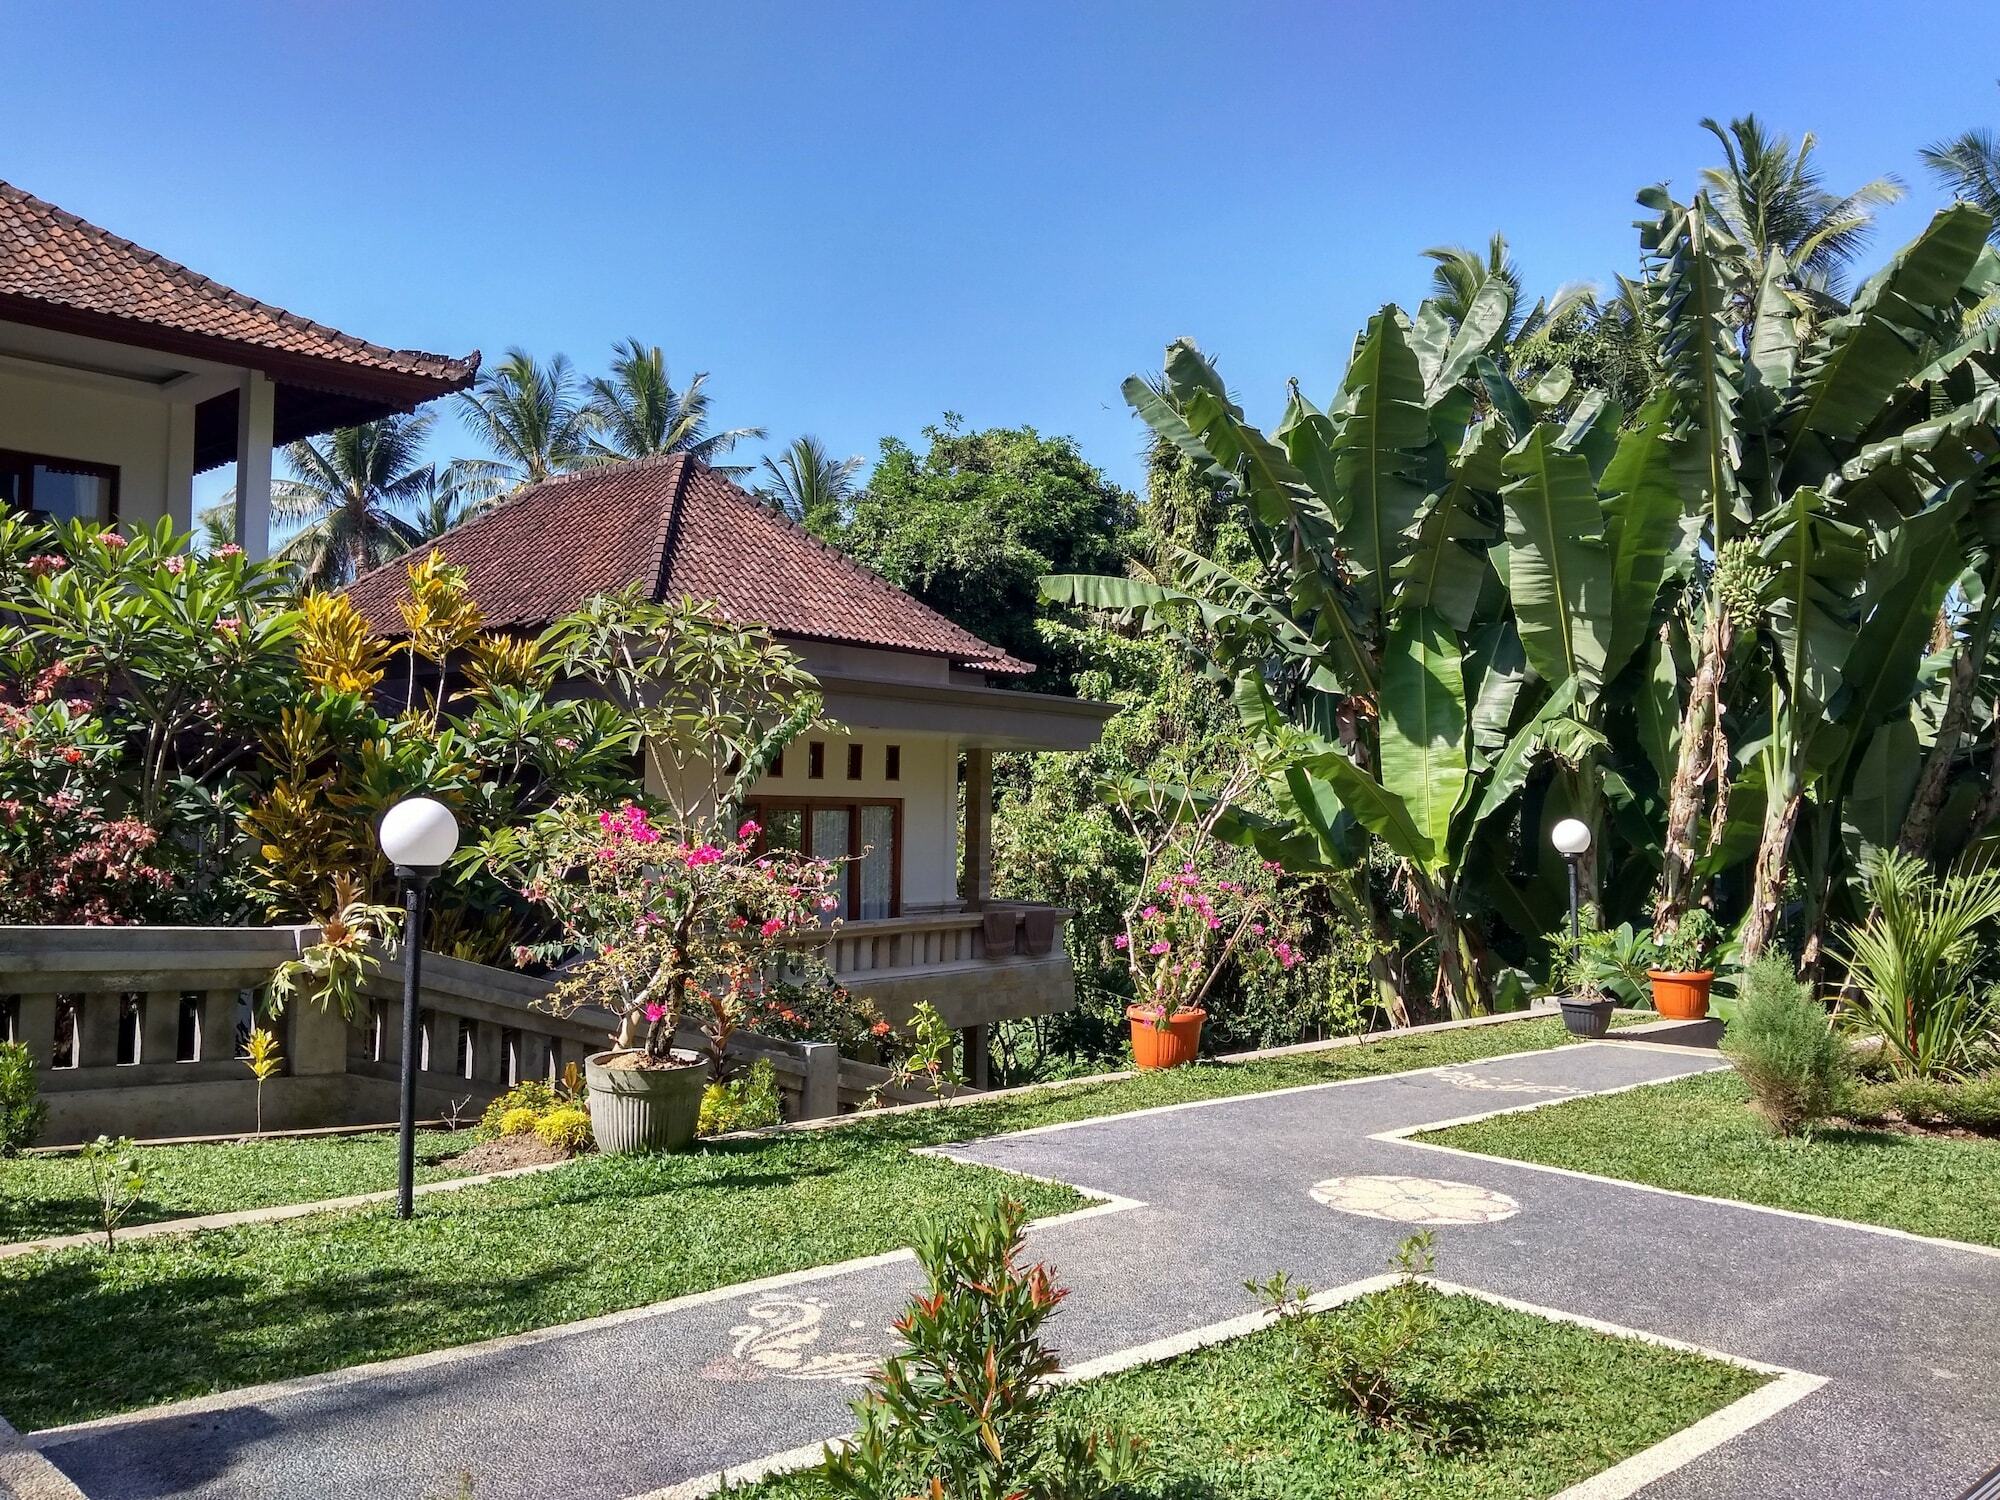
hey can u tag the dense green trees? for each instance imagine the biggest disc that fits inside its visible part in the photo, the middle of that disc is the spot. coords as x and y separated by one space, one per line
971 521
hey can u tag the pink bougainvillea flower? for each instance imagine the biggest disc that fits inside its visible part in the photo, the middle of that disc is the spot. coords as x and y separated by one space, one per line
1121 942
655 1011
1150 912
705 854
1287 956
1162 946
829 903
772 927
1257 929
750 829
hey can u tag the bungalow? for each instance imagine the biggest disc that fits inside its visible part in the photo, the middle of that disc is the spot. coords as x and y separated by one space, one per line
123 375
903 789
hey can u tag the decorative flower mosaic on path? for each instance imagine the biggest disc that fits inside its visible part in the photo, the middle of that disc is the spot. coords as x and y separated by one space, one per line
779 1340
1460 1079
1415 1200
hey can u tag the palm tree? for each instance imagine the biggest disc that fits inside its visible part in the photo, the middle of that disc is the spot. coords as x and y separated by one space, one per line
1459 273
535 418
445 498
638 413
810 485
343 493
1969 166
1770 197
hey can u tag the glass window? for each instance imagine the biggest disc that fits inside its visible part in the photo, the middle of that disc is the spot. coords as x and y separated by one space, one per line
861 834
878 861
58 489
830 827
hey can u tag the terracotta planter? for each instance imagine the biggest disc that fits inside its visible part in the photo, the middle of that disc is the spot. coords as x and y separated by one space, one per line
1166 1044
1587 1018
1681 996
643 1109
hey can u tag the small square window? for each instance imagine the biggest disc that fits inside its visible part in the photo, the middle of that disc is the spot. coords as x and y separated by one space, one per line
816 760
853 762
778 765
892 763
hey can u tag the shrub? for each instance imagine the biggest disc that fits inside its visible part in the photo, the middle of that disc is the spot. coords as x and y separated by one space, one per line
1912 964
746 1103
519 1121
531 1095
21 1108
961 1410
118 1178
1973 1104
567 1128
1382 1359
1785 1048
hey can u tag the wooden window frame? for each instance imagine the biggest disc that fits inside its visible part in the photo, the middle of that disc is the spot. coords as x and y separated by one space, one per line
22 462
755 808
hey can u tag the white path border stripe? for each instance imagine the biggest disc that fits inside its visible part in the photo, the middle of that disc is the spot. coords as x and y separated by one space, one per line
50 1437
1405 1136
1622 1480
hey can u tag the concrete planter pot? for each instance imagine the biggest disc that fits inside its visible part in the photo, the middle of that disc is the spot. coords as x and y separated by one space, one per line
1587 1018
643 1109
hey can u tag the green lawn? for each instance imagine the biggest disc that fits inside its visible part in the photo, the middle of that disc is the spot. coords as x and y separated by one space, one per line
1232 1423
1699 1136
47 1195
89 1333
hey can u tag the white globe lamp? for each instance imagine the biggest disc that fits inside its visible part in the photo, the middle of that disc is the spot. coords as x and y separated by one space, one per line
1572 840
418 834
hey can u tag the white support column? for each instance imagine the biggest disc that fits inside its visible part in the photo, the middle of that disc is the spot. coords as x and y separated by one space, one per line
255 409
180 465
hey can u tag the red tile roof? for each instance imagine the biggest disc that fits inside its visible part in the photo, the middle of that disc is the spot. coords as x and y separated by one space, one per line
680 529
60 272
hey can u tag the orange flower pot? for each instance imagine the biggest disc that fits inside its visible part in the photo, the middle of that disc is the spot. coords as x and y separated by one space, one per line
1164 1044
1681 996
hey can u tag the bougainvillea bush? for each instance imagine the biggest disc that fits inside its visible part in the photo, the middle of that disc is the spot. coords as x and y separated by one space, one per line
668 925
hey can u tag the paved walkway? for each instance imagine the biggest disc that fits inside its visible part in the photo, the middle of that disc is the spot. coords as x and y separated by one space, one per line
1221 1192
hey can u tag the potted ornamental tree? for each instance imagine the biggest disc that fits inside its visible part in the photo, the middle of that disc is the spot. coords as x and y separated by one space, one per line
1682 967
671 930
1190 916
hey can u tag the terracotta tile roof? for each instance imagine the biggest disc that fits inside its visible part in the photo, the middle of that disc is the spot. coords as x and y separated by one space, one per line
61 272
681 530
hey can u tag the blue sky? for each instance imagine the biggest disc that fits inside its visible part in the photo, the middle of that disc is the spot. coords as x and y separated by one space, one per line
857 216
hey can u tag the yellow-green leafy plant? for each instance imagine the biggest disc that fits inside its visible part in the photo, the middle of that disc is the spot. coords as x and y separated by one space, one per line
21 1108
567 1128
118 1178
262 1058
932 1056
746 1103
334 972
338 651
531 1096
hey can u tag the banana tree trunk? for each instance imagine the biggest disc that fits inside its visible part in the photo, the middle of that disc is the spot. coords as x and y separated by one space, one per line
1919 831
1359 902
1460 991
1767 888
1695 766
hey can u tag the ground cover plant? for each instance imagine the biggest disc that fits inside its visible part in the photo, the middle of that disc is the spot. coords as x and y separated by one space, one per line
51 1194
166 1318
1933 1185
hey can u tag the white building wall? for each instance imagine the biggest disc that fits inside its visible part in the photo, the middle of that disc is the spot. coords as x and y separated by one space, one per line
98 424
928 787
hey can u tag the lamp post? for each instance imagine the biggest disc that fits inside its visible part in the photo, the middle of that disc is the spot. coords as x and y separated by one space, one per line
418 834
1572 840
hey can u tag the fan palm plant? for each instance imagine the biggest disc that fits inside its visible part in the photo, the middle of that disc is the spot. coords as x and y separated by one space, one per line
535 418
810 485
343 493
1968 166
1911 963
1771 197
638 413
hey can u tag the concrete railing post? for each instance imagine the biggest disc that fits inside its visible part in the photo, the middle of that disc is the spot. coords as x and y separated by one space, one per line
819 1099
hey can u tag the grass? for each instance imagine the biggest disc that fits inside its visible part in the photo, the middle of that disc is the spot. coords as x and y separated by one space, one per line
1698 1135
49 1195
1234 1422
90 1332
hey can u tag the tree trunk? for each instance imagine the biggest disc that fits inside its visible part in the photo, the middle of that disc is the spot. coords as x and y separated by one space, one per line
1459 992
1694 766
1358 901
1767 889
1919 831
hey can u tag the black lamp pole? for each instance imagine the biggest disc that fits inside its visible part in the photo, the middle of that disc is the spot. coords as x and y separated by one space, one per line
416 886
1575 925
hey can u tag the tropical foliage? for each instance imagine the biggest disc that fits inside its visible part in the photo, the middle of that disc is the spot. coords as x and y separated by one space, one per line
637 413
